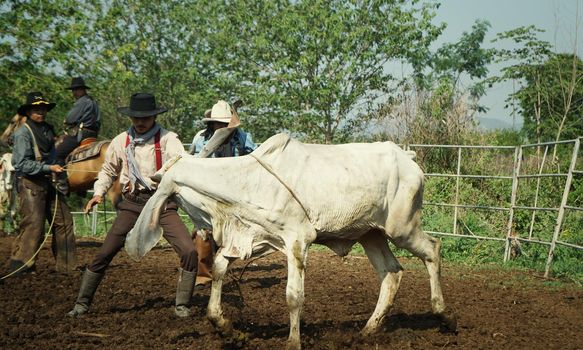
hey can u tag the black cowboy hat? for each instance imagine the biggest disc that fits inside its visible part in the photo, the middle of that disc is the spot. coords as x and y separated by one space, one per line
142 105
76 83
35 99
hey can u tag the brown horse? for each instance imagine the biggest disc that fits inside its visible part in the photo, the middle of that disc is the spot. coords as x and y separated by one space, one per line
81 174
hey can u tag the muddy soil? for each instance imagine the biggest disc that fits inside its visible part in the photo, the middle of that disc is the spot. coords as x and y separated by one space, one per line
133 308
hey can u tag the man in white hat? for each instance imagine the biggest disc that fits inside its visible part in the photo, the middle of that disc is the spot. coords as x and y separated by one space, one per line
239 143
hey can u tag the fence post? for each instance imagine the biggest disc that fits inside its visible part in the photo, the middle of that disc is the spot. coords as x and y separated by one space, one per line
457 189
515 172
538 180
561 215
94 221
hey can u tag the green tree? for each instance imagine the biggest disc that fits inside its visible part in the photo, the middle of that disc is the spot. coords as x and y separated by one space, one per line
561 97
120 46
437 104
313 67
34 48
550 92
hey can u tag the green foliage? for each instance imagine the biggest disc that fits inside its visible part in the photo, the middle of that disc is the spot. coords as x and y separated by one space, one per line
506 137
434 106
545 192
551 86
465 57
299 66
305 66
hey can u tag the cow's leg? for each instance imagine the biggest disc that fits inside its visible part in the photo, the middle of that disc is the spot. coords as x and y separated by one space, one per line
426 248
296 262
390 272
214 310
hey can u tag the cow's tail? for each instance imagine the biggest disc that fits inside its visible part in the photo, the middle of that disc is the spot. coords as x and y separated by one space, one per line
147 230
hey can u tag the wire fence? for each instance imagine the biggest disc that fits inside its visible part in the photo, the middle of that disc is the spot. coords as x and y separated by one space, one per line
519 173
516 165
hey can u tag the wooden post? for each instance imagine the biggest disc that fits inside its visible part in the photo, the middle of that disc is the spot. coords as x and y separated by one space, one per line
94 221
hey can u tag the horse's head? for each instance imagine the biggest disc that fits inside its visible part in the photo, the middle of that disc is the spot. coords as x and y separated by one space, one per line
15 123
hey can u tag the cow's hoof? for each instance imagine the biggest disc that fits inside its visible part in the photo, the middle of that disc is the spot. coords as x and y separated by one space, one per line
448 321
366 332
293 345
224 328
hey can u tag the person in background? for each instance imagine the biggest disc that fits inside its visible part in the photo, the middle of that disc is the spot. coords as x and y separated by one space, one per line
134 156
239 143
83 121
33 158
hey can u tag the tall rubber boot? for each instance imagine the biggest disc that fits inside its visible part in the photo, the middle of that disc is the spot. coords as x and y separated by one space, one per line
89 285
184 292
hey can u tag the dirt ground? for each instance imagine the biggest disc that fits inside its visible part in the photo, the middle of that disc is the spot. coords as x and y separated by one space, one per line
133 308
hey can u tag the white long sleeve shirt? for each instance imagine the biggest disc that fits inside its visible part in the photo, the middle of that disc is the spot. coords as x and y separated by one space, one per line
115 163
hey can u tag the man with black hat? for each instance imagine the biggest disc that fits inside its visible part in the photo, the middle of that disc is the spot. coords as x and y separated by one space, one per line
83 121
33 158
134 156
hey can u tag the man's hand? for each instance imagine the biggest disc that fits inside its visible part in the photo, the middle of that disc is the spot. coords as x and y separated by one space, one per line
97 199
56 168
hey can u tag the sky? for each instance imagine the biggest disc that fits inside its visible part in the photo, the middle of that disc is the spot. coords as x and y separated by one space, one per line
558 18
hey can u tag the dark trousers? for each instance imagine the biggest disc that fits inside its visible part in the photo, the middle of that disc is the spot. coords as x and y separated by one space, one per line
37 199
128 211
65 148
69 143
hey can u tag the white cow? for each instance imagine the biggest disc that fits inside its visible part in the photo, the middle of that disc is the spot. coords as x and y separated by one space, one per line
287 195
7 197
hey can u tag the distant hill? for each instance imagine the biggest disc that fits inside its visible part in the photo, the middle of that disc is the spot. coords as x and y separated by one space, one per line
493 124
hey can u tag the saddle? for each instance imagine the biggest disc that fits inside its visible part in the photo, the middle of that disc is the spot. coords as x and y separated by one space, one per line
89 148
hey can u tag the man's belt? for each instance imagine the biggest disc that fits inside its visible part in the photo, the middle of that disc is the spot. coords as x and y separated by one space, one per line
36 177
140 197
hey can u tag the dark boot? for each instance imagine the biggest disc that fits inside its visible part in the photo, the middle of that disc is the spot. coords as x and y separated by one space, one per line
184 292
61 182
89 285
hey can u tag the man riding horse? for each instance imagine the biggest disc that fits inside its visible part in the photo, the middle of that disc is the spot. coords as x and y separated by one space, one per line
83 121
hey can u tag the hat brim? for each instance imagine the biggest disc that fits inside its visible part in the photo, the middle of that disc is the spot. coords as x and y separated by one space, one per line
22 109
219 120
141 114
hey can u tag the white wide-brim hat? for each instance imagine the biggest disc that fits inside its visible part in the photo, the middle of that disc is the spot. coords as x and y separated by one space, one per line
221 112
